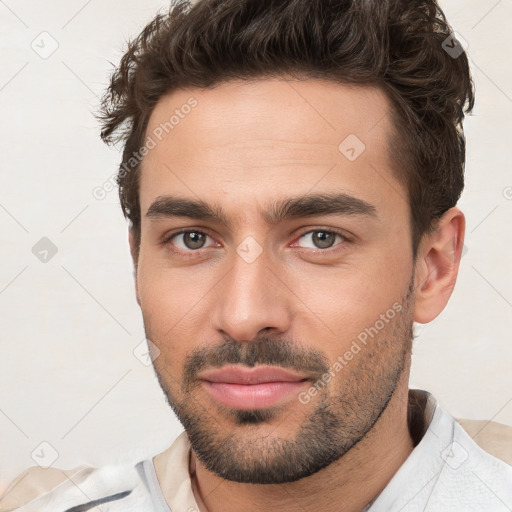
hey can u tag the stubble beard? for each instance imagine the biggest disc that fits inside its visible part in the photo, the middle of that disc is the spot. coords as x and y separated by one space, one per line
230 442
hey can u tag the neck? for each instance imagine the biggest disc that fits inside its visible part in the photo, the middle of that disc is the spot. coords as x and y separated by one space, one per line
346 485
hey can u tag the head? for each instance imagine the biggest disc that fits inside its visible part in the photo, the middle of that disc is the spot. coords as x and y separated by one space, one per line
290 172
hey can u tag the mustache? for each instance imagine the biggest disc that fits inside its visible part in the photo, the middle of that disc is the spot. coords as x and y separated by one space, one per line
262 351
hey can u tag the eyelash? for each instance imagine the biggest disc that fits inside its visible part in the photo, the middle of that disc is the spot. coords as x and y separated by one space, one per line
191 252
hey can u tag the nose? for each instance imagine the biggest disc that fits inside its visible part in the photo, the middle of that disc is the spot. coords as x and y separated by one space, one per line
252 298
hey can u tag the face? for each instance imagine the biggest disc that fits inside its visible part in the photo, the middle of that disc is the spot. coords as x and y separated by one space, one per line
275 236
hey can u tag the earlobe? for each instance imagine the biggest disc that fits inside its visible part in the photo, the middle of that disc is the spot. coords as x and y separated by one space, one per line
437 266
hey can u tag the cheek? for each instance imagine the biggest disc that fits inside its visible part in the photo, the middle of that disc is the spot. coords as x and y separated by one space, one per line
163 290
170 302
343 302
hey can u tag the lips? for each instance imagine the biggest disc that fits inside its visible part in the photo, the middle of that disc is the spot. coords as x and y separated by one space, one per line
257 375
252 388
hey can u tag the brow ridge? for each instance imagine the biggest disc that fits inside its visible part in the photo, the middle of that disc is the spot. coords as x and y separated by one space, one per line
278 210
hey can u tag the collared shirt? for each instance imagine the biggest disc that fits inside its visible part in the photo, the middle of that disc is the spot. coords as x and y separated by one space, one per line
446 472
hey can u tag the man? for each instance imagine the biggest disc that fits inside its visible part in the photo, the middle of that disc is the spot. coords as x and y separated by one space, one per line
291 171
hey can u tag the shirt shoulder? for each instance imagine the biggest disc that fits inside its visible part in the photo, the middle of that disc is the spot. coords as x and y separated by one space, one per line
120 486
467 476
450 469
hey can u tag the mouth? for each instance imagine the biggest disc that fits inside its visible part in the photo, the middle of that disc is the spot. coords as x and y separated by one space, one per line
252 388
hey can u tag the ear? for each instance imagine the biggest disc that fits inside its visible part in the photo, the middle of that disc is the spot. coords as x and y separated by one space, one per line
134 251
437 265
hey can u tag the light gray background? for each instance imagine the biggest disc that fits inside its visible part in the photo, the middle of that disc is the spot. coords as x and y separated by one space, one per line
68 374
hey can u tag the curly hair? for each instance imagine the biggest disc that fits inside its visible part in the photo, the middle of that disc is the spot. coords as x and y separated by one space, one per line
400 46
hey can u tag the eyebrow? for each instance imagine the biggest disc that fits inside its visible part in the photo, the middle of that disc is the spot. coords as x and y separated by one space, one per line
309 205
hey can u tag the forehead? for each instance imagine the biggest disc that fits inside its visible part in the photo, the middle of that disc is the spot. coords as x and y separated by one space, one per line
266 137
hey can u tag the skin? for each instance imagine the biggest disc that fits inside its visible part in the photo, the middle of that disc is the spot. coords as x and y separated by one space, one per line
243 146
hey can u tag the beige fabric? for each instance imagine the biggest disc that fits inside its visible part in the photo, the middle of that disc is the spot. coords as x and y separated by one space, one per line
33 482
493 437
171 470
163 466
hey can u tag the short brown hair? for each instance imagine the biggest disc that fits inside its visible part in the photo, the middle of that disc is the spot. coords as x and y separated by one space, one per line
401 46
